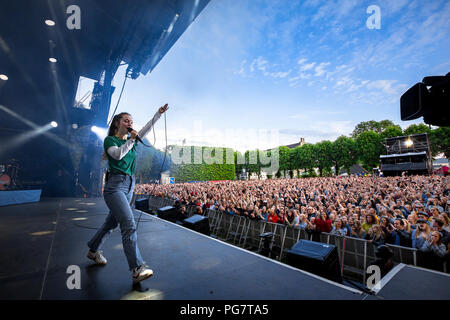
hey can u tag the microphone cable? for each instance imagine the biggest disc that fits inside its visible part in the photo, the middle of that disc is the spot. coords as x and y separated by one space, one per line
162 165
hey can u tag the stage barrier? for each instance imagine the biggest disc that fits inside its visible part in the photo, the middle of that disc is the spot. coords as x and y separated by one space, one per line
354 254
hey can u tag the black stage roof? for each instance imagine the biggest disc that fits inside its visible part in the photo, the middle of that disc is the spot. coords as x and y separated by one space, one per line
110 32
138 32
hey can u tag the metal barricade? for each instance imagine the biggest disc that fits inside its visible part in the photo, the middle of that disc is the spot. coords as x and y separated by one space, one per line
152 201
223 225
255 228
277 240
236 228
231 221
291 237
354 254
245 230
214 218
190 211
403 254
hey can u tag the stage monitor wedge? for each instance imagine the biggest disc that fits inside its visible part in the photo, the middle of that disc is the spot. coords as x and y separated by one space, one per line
168 213
315 257
197 223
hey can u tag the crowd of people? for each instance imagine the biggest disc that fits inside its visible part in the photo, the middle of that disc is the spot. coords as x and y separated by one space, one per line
408 211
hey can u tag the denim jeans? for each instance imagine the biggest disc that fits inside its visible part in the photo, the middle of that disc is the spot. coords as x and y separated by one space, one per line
117 193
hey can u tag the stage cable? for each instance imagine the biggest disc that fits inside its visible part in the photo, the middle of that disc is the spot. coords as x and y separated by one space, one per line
162 165
118 101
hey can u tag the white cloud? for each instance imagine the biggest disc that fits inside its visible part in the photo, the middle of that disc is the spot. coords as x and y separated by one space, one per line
308 66
385 85
300 116
259 63
320 69
280 74
315 131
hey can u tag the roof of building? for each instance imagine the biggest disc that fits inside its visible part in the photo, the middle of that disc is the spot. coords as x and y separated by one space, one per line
441 161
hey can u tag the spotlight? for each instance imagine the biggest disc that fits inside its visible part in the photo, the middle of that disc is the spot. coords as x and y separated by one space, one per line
75 126
54 124
52 60
50 23
3 77
101 133
408 143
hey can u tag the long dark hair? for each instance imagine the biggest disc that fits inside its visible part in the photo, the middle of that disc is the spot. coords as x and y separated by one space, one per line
115 123
113 128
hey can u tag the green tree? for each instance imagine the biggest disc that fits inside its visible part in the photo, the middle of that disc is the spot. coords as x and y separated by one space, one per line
416 129
253 163
285 159
306 156
238 159
344 153
384 124
369 149
440 141
372 125
392 131
296 159
323 156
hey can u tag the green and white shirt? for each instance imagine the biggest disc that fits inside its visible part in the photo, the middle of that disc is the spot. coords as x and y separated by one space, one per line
122 153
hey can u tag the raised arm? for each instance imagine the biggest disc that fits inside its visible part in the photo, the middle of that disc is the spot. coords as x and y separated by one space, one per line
146 129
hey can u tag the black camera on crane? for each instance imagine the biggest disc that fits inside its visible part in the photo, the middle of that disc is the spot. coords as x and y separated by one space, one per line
429 99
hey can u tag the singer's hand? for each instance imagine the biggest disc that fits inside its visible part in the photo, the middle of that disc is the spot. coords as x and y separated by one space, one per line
163 108
134 134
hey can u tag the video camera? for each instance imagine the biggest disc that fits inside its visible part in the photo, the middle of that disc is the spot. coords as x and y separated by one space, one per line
430 99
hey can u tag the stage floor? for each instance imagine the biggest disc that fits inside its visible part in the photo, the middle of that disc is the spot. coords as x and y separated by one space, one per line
40 241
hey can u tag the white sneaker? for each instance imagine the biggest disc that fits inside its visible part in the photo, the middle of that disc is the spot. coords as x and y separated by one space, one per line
141 273
97 257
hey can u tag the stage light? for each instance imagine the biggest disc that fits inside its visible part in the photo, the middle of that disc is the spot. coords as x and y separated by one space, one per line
408 143
53 60
50 23
100 132
54 124
174 20
3 77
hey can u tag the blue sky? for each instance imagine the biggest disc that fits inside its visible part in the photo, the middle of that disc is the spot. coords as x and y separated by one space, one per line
307 69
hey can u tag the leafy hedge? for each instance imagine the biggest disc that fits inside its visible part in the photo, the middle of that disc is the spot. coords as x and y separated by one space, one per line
205 171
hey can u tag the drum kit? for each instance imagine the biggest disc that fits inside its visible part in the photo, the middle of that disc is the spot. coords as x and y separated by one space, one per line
8 175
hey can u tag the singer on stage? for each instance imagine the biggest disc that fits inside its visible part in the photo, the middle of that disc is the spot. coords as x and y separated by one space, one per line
120 150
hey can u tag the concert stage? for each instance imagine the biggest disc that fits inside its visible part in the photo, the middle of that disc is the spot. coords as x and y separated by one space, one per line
41 240
13 197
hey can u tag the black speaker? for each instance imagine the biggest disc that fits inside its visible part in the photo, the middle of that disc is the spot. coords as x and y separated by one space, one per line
315 257
197 223
168 213
141 204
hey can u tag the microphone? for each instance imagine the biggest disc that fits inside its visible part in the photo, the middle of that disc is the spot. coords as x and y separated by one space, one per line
137 137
